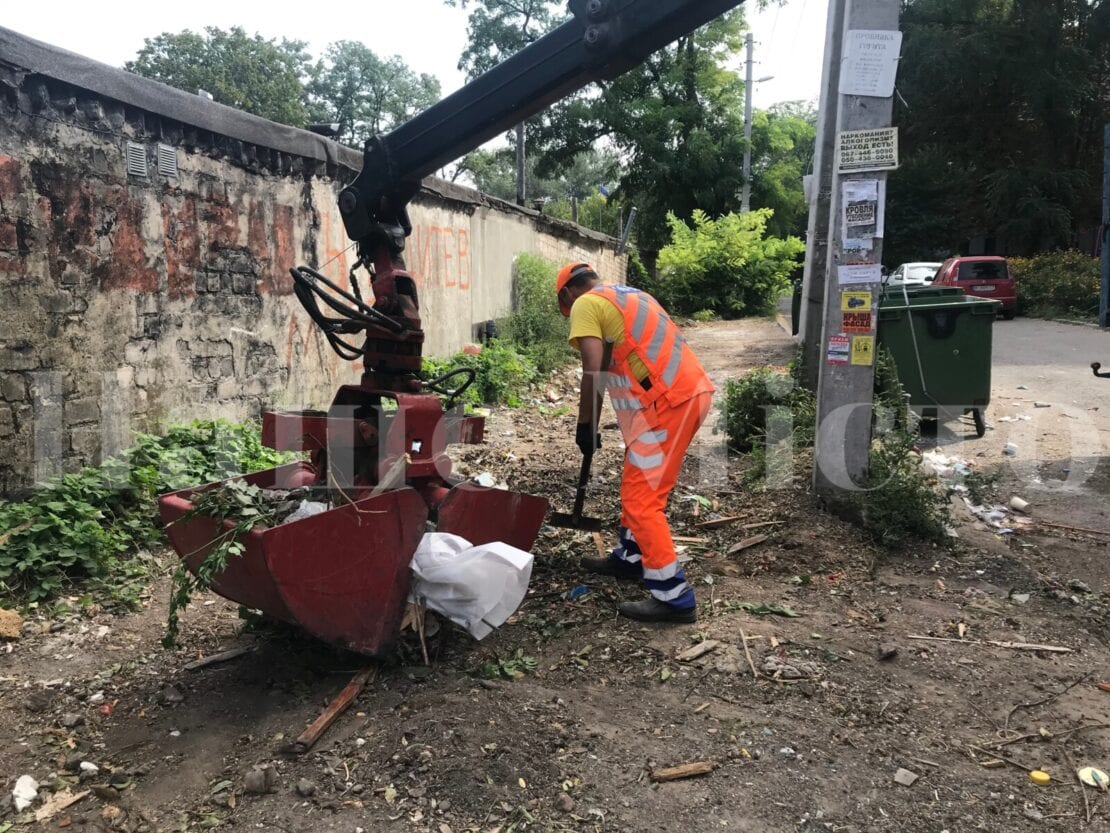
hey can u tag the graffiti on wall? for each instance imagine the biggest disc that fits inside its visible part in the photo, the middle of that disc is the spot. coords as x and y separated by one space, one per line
439 256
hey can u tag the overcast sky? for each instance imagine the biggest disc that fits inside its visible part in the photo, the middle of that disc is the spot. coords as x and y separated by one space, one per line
427 34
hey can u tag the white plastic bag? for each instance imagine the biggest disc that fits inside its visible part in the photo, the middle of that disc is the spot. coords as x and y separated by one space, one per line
475 587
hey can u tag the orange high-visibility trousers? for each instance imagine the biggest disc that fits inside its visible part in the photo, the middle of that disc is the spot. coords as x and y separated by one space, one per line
652 463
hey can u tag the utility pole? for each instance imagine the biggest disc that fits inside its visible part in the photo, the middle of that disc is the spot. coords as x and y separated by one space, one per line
846 352
520 194
817 236
1104 296
746 197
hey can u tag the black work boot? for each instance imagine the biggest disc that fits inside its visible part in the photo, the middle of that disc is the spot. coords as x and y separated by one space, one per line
653 610
612 567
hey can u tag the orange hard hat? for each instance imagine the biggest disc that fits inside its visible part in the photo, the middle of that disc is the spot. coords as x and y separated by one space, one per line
566 275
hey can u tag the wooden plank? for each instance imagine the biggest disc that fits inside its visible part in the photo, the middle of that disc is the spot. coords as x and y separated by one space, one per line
690 770
335 708
747 543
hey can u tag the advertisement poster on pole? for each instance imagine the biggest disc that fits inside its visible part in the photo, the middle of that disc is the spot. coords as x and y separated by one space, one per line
839 349
858 151
870 63
863 214
859 273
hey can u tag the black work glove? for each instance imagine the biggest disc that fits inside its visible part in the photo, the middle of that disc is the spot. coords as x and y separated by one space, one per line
586 438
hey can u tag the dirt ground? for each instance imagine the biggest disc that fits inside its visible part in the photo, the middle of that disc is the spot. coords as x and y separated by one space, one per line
571 745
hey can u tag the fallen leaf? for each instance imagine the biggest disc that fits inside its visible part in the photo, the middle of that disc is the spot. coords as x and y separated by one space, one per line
390 794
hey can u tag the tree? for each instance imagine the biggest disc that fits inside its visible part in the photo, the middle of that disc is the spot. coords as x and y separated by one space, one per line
676 120
497 29
494 172
249 73
365 94
783 143
1000 112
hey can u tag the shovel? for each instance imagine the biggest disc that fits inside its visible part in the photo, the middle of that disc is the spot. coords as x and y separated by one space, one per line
575 520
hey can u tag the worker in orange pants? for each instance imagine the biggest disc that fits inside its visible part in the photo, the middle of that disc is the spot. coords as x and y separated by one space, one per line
661 395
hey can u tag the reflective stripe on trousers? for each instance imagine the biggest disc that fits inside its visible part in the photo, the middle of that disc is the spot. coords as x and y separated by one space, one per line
652 463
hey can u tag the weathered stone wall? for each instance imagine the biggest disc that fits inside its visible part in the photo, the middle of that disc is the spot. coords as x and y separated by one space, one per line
129 301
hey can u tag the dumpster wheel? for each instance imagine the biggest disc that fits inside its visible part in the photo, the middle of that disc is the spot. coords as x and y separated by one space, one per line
980 422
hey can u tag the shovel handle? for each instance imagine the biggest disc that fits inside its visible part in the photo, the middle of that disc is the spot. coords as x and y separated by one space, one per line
583 480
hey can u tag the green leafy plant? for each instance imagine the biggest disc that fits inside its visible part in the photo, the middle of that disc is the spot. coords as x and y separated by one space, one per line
1064 284
89 526
767 401
536 327
238 507
726 265
509 669
900 502
503 374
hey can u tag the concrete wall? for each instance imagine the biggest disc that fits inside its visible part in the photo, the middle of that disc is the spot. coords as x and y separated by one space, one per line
129 301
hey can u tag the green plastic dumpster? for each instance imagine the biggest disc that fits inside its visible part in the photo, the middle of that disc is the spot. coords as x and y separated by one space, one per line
940 339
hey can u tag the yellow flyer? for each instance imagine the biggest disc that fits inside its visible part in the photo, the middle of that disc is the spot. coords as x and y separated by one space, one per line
863 350
851 301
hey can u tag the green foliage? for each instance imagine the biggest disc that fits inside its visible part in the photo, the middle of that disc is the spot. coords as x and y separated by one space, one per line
509 669
245 506
900 502
497 29
753 404
726 265
980 82
536 326
1057 284
532 341
88 525
249 73
704 315
365 94
637 274
503 374
677 120
783 142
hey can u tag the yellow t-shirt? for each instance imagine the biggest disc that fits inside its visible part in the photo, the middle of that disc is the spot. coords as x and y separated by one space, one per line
592 315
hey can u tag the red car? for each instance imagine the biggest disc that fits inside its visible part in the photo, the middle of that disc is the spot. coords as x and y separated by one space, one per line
984 277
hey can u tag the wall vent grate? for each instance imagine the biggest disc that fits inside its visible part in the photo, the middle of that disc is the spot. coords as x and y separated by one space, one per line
136 159
167 160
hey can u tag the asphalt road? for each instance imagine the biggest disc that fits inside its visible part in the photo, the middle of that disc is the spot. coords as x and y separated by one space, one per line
1047 403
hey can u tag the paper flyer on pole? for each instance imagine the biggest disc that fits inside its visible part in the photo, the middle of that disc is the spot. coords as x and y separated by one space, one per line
870 63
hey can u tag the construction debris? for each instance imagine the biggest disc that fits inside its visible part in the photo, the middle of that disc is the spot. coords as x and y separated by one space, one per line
905 777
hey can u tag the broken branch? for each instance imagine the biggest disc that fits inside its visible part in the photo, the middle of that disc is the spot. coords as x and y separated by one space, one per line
1013 646
216 659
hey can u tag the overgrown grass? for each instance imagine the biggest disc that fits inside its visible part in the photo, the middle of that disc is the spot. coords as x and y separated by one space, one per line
87 528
